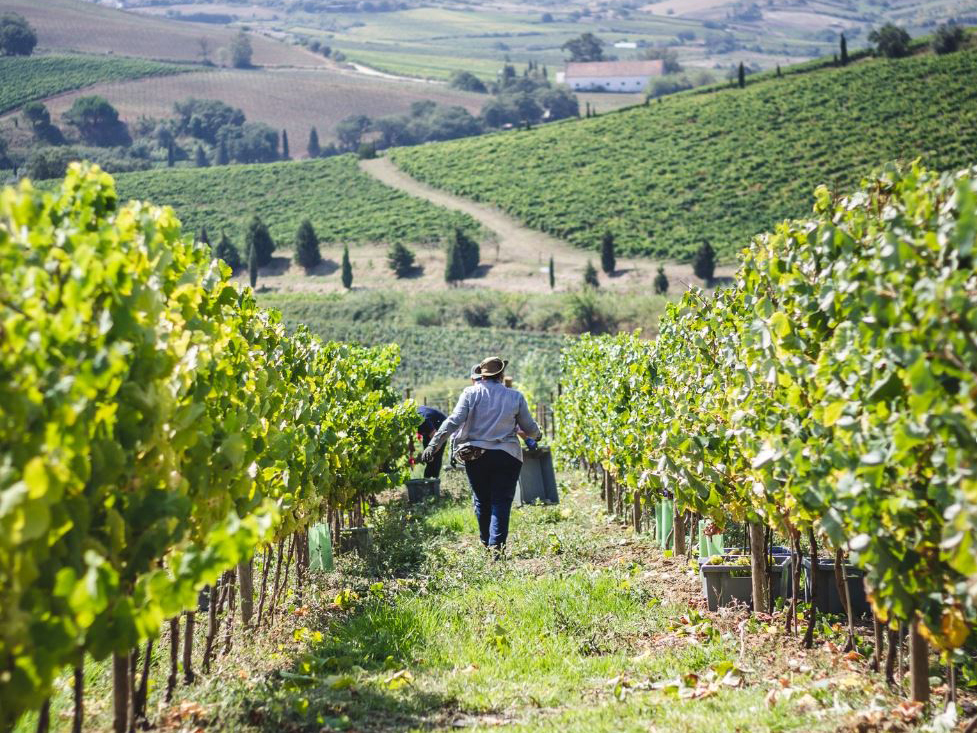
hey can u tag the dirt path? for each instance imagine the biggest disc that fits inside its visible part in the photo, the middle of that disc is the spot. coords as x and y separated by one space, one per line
519 256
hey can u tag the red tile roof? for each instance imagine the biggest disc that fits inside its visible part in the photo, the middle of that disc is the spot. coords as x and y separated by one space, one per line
655 67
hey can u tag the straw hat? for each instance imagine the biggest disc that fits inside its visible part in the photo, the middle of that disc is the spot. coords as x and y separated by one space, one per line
493 366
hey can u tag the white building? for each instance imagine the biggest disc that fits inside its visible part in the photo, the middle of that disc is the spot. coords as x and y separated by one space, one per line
611 76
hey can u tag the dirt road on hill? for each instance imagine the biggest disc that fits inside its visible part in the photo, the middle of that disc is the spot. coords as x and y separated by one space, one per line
519 256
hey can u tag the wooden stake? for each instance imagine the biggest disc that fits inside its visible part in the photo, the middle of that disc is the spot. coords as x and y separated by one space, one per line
228 636
44 717
142 692
174 656
812 613
678 531
78 719
919 674
188 675
120 692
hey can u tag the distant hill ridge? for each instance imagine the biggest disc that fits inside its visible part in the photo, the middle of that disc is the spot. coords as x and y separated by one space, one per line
716 167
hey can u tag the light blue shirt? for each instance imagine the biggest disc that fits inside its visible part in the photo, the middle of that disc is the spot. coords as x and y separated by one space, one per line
486 416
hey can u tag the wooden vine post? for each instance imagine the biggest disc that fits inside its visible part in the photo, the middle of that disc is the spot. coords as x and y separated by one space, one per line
919 674
245 576
758 566
678 531
120 692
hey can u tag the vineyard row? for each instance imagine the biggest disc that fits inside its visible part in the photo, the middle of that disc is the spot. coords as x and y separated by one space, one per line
157 429
829 394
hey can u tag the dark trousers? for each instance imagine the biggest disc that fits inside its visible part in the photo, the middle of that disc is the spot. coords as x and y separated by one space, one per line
433 469
493 479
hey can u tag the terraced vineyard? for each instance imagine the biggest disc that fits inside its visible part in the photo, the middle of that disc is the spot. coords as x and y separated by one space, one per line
717 167
344 204
26 78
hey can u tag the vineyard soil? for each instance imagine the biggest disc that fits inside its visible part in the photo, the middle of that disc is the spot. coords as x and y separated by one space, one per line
586 627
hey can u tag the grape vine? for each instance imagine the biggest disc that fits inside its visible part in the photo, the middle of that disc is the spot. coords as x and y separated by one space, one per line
832 387
157 427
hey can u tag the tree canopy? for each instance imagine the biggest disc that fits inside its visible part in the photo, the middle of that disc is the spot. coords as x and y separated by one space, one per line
17 37
586 47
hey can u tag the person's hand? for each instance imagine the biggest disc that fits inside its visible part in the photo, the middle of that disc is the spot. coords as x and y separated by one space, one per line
428 455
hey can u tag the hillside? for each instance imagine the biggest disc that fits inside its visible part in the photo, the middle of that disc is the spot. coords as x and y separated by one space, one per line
77 25
287 99
26 78
718 167
344 204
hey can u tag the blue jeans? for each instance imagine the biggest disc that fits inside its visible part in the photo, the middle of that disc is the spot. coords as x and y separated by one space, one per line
493 479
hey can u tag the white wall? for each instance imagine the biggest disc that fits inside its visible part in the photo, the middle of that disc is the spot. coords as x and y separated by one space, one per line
610 83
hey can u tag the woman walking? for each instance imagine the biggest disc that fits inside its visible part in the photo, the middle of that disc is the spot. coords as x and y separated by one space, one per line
488 420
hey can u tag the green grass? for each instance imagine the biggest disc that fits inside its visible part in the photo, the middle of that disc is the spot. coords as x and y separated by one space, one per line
28 78
343 204
569 634
574 632
719 167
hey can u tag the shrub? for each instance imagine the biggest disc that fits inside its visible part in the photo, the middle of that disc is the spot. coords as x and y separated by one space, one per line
704 263
241 51
890 41
97 121
259 238
400 260
17 37
661 281
225 250
307 253
590 276
949 38
467 82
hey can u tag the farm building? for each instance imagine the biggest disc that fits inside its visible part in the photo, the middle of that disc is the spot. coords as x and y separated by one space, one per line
611 76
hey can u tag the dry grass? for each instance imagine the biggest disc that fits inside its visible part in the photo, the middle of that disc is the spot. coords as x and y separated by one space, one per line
83 26
290 99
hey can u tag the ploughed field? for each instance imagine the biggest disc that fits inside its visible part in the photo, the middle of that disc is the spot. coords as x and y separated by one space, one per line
716 167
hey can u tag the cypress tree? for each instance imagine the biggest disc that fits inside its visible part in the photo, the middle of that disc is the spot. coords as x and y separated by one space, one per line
347 269
778 71
285 155
608 261
454 265
314 149
469 252
259 237
661 281
253 266
170 155
307 252
590 276
226 251
222 156
704 263
203 238
844 50
552 275
201 157
742 75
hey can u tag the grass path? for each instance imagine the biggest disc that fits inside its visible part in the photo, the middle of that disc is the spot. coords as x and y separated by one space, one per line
585 627
520 252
